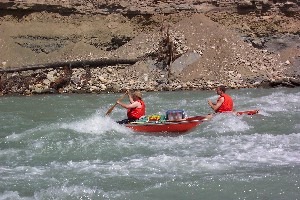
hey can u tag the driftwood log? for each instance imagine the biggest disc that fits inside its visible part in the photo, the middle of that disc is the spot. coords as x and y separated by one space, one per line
73 64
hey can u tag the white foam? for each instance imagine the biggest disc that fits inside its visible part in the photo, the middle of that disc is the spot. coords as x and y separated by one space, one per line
156 157
67 192
224 123
13 137
95 124
20 136
12 195
252 150
232 152
279 102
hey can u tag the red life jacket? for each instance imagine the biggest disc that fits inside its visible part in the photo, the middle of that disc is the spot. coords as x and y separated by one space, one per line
227 105
136 113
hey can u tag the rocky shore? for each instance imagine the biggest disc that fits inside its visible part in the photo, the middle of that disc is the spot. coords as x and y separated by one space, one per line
112 46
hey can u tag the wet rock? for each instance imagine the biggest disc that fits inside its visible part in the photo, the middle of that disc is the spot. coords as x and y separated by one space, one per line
275 83
295 81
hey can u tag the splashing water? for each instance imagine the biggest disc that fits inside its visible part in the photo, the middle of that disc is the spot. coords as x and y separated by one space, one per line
95 125
63 147
225 123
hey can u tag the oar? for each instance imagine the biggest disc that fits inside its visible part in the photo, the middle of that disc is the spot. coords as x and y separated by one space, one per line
111 108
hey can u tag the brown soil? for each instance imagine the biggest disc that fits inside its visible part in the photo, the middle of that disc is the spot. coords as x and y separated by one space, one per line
216 37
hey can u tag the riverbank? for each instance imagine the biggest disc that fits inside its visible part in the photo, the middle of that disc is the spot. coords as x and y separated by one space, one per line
186 50
115 79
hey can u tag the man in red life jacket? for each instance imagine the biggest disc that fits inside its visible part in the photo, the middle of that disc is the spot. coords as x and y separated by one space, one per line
135 110
223 104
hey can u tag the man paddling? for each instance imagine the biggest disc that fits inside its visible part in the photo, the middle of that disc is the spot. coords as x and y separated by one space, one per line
135 110
223 104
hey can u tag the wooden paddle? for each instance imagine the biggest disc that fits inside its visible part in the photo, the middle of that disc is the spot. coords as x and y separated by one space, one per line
111 108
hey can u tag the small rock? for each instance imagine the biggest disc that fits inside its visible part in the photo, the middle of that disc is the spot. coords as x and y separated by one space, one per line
102 79
103 87
109 70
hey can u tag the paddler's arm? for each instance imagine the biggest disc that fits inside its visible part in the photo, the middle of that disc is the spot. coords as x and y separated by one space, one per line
216 106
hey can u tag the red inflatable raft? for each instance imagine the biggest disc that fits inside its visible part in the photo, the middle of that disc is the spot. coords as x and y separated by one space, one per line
179 126
183 125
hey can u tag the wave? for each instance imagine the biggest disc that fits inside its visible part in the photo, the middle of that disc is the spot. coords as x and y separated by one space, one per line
94 124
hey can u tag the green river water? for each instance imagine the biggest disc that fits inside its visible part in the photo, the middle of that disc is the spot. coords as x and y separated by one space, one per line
62 147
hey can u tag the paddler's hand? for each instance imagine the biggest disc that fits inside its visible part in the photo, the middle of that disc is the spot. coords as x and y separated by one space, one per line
210 103
120 103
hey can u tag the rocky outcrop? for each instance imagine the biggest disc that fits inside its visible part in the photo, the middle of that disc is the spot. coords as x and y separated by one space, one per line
112 45
118 79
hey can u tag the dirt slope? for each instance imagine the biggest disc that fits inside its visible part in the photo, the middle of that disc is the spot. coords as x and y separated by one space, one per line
209 48
210 52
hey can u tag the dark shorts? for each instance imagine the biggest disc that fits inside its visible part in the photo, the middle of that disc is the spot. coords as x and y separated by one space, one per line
126 121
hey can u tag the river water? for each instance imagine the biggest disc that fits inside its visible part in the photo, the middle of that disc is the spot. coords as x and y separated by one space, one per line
62 147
